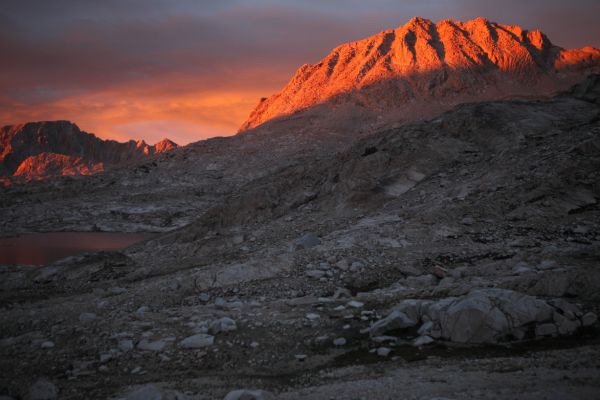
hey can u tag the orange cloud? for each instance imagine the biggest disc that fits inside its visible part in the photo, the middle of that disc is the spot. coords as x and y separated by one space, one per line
149 112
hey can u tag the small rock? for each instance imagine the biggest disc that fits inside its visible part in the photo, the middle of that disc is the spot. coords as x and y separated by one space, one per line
42 389
458 273
204 297
342 265
321 339
117 290
413 308
300 357
234 305
547 264
324 266
87 317
141 311
145 326
426 328
355 304
197 341
384 351
237 239
312 316
105 357
306 242
103 304
565 325
341 293
224 324
422 341
339 341
589 319
220 302
395 320
468 221
315 274
382 339
126 345
47 344
356 266
521 270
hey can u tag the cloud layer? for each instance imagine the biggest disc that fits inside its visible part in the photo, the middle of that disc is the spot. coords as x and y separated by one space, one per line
193 69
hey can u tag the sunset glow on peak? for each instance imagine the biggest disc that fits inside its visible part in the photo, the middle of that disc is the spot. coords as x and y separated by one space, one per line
194 71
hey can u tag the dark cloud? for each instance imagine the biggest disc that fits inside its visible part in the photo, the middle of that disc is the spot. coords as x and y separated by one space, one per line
75 56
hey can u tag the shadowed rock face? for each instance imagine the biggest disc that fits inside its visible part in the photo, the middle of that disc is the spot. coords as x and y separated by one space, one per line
38 150
421 69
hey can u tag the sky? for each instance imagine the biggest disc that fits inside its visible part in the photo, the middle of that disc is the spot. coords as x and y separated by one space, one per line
192 69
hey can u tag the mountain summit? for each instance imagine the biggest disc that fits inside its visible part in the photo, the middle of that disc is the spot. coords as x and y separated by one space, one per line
422 68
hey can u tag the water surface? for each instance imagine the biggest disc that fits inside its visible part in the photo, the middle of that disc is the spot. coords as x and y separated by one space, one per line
45 248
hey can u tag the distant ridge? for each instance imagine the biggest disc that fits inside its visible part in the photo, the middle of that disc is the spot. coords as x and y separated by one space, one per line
38 150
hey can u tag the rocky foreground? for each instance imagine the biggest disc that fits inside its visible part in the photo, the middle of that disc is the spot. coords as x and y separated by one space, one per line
453 258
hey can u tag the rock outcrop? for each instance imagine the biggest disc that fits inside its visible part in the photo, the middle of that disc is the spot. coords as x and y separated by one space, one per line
421 69
52 164
484 316
38 150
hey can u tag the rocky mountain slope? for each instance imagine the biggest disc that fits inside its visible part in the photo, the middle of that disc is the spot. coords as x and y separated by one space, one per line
454 257
421 69
39 150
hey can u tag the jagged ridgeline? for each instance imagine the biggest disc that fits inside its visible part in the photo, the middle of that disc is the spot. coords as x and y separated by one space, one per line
38 150
422 68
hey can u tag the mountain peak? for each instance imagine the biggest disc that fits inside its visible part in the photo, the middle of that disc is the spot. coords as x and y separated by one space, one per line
422 68
417 21
165 145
